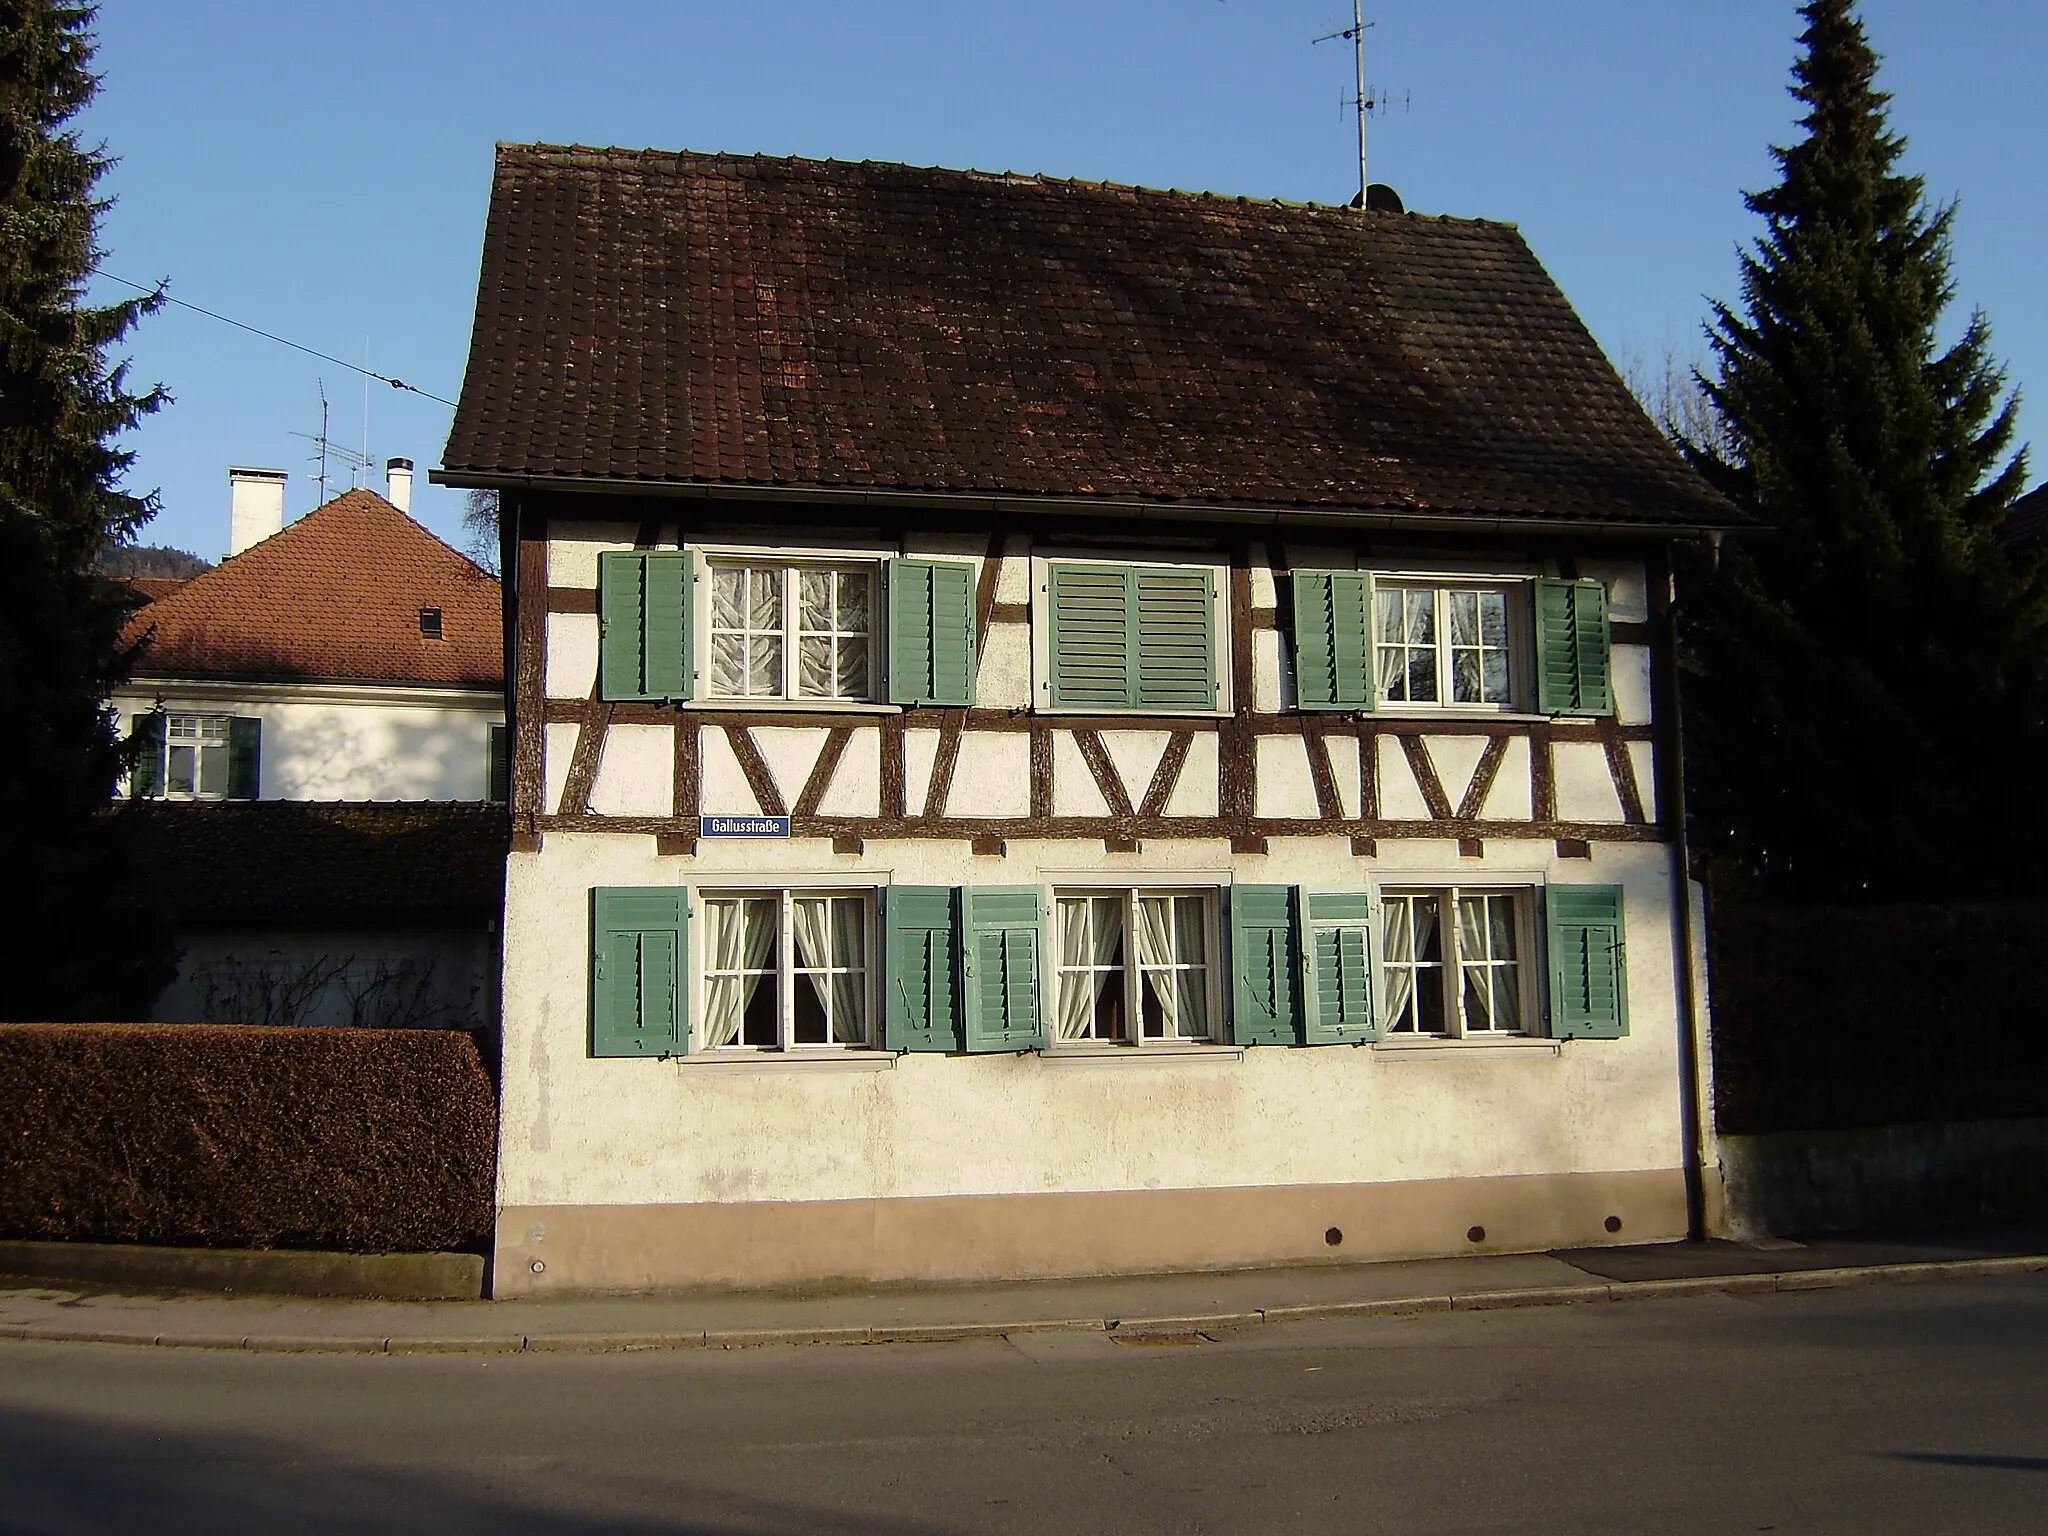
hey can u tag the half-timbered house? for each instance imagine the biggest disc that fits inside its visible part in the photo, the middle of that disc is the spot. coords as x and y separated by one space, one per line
1062 728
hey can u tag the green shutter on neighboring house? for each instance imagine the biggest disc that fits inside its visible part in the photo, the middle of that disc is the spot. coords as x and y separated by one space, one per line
1000 970
1265 965
497 767
1333 640
146 777
921 968
1588 962
245 758
643 625
1574 669
1343 998
638 980
1174 615
931 632
1132 637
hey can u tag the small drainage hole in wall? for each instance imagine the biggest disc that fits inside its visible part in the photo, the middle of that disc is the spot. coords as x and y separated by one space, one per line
1334 1236
1476 1235
1613 1223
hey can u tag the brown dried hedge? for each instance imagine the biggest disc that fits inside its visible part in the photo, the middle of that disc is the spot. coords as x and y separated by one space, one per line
241 1136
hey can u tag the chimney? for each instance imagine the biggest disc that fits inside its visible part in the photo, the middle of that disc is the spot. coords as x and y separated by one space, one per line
255 507
398 476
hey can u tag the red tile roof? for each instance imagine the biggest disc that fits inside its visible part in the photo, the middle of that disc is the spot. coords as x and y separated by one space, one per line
720 320
335 596
147 589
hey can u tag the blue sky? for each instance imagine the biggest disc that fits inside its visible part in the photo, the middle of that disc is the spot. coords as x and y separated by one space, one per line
322 171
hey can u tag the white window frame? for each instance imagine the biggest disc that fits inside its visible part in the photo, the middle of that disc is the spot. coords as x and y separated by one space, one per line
789 975
1041 630
225 745
1516 589
1133 968
707 558
1528 959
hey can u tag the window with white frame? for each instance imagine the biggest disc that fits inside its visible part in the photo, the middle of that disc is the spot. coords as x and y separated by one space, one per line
796 631
1135 966
1452 962
1445 645
196 756
786 969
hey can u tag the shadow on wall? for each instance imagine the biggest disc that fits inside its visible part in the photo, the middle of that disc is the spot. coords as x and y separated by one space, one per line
74 1474
364 978
368 752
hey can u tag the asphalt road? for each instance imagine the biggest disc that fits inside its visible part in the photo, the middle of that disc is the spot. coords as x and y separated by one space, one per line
1882 1409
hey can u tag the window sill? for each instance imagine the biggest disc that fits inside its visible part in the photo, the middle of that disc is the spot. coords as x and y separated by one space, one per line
1181 1051
820 1060
785 706
1517 1045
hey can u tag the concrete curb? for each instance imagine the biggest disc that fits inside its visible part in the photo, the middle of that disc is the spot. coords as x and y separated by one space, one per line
1130 1327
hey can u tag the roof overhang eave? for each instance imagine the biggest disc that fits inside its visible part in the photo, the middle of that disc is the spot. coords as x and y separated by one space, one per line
1391 519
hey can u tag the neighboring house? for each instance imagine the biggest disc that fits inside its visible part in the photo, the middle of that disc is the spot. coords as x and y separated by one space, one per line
335 673
2027 518
1061 728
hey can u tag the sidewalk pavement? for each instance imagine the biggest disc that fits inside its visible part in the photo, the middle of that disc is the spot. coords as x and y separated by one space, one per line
1133 1306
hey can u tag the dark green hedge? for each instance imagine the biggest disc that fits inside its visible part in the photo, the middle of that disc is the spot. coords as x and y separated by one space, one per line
241 1136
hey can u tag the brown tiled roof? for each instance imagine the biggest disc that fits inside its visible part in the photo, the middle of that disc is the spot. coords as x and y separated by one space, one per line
2027 518
304 861
719 320
335 596
147 589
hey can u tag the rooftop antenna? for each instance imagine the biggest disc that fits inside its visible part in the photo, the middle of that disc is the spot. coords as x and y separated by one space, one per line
1366 101
327 445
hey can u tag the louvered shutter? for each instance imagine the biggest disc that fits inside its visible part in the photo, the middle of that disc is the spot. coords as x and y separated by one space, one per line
1174 615
497 766
643 605
1001 982
1094 663
1333 640
931 632
146 777
1588 962
1265 965
638 984
921 968
245 758
1343 991
1574 668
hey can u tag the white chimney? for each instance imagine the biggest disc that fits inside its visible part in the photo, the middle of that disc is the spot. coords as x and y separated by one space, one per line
256 505
398 476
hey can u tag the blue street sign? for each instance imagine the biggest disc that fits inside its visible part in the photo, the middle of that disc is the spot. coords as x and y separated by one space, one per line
743 826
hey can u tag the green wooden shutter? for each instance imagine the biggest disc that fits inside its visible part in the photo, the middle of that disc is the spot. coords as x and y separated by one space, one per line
1265 965
1333 640
931 632
638 980
1342 950
1588 962
643 624
1574 669
245 758
497 767
1001 984
1174 618
1094 663
921 968
146 777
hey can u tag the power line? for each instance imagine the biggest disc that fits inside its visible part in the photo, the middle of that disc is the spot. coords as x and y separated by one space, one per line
382 378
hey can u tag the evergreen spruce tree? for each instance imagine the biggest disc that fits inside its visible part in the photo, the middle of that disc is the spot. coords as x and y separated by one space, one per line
74 943
1865 682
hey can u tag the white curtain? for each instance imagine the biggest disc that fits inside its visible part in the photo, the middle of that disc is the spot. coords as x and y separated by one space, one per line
742 935
1091 933
829 946
1155 949
728 612
853 634
764 617
815 665
1409 925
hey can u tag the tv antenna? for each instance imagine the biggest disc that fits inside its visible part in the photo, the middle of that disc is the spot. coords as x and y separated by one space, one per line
327 446
1366 100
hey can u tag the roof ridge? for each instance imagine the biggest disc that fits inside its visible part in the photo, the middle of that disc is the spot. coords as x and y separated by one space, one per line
602 154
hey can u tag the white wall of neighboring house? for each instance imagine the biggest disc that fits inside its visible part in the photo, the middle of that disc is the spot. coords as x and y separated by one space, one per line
419 976
336 742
